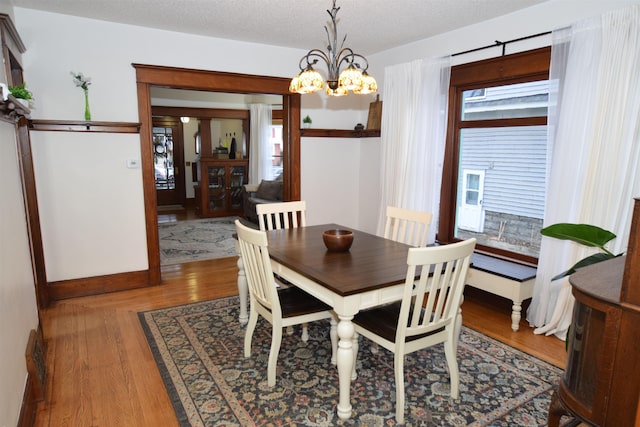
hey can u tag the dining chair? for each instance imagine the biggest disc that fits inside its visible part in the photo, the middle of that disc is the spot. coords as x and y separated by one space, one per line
428 314
276 216
283 215
280 307
407 226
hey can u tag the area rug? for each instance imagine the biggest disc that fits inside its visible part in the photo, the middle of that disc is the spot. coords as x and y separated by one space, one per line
196 240
199 352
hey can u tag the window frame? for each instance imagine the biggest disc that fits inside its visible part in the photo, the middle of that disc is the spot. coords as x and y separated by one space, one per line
510 69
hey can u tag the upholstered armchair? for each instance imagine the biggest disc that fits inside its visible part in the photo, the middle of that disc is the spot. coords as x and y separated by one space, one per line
266 192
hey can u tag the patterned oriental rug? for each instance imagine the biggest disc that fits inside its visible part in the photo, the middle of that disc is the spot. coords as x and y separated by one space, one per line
199 352
196 240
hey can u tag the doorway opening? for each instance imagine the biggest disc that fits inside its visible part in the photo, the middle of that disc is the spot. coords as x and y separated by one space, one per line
149 76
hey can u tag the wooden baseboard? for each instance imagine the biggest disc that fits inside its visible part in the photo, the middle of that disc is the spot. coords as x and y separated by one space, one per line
98 285
36 378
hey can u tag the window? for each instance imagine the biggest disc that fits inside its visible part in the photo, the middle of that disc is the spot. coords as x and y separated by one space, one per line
276 148
495 162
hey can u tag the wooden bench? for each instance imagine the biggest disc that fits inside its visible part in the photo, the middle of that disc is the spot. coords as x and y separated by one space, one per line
504 278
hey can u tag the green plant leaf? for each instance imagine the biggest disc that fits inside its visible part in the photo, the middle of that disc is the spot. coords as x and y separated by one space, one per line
20 92
592 259
585 234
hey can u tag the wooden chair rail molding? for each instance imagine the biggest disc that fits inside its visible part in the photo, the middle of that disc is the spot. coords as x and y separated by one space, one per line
84 126
340 133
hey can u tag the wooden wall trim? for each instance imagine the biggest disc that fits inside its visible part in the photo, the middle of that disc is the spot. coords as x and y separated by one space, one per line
214 81
98 284
206 113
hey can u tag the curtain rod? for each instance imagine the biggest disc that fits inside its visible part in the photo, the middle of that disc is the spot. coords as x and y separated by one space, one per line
503 44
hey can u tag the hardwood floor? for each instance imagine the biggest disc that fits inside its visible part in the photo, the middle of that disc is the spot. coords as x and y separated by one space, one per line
101 371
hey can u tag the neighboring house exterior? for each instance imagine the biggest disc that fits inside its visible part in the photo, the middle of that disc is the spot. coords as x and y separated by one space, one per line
502 172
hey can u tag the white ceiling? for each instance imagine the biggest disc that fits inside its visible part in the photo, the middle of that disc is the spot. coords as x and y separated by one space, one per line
371 25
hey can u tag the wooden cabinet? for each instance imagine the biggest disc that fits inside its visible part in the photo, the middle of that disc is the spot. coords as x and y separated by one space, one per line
219 189
601 384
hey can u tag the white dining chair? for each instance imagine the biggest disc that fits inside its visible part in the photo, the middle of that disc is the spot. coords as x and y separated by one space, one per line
407 226
283 215
280 307
277 216
428 314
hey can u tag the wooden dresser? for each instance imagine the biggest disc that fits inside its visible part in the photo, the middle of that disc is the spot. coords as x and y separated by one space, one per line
601 384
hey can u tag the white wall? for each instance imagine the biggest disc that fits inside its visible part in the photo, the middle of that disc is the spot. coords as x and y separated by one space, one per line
339 178
18 313
58 44
541 18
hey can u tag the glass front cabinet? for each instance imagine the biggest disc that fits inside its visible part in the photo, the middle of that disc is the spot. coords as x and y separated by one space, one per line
219 188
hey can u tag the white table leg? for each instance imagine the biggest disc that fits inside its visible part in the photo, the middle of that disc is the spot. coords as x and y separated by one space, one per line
516 311
345 365
243 289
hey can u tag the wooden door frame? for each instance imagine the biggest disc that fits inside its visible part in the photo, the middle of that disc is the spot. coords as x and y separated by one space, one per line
213 81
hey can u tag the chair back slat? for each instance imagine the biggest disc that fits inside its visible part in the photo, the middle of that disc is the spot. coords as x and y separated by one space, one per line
257 265
407 226
431 302
278 216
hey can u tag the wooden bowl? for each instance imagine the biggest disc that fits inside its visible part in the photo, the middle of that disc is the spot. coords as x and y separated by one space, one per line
337 240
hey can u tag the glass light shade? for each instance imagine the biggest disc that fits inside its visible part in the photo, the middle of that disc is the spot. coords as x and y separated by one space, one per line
339 91
184 119
350 78
369 85
309 81
295 82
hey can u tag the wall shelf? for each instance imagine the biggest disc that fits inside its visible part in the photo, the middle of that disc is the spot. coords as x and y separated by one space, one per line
84 126
339 133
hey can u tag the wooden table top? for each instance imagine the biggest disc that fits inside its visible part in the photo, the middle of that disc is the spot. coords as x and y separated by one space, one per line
372 263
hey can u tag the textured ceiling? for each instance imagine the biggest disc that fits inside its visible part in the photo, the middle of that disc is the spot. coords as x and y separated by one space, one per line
371 25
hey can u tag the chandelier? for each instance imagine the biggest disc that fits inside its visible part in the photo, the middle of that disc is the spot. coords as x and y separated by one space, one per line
353 77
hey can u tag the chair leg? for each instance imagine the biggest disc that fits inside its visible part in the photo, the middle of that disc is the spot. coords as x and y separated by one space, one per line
305 332
276 340
248 334
374 348
452 363
398 362
289 330
333 334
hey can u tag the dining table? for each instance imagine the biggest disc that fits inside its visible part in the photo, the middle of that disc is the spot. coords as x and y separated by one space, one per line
371 273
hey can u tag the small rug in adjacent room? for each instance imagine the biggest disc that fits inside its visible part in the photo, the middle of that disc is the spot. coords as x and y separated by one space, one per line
199 351
196 240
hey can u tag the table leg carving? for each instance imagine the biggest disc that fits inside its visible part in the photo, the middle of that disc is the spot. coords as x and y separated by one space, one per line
354 374
345 365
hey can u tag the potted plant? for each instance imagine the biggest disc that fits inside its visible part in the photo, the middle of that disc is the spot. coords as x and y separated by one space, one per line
585 234
306 122
21 93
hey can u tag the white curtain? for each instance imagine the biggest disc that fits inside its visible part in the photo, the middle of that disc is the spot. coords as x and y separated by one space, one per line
260 146
594 137
413 132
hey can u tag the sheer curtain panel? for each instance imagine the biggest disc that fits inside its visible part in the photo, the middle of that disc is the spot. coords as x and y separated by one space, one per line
260 147
413 132
594 137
